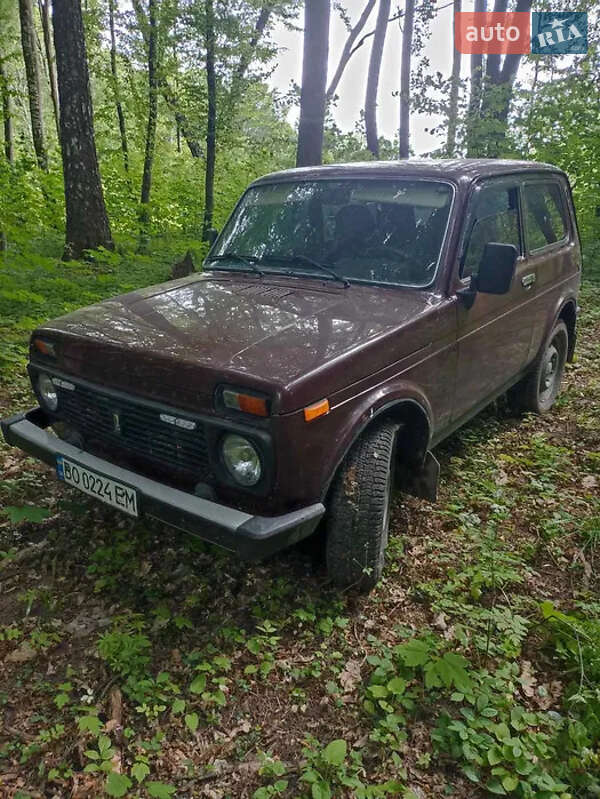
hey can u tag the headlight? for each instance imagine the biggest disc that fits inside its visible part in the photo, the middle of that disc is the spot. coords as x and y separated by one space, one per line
47 391
241 459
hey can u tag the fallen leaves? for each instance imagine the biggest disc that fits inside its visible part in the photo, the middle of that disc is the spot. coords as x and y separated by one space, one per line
527 680
350 677
22 654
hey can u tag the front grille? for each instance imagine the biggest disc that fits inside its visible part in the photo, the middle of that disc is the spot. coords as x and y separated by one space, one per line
128 425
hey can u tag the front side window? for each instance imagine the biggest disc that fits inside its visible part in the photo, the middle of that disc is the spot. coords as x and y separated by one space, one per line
361 230
545 214
494 218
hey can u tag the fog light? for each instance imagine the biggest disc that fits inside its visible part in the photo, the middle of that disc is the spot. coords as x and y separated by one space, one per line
241 459
47 391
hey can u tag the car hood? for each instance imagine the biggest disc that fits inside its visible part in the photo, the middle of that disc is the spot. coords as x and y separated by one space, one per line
179 340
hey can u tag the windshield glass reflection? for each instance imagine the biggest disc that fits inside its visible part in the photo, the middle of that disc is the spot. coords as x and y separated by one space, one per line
381 231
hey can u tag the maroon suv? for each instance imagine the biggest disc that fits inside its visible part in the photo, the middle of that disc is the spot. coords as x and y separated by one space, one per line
347 319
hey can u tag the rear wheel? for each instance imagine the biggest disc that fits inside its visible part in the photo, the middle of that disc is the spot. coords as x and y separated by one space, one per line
539 389
359 510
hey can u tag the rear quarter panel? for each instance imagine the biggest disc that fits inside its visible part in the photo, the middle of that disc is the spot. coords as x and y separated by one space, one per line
558 273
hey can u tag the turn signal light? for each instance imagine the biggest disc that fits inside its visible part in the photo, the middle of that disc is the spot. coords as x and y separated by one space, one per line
247 403
318 409
45 347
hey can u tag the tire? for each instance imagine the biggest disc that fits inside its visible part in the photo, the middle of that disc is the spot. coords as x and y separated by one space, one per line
539 389
359 510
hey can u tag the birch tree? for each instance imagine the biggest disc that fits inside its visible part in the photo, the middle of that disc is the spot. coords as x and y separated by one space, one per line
34 85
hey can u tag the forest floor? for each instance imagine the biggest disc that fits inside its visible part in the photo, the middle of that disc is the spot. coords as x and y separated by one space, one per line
136 661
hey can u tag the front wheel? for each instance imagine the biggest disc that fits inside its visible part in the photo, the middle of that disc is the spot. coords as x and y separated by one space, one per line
539 389
359 510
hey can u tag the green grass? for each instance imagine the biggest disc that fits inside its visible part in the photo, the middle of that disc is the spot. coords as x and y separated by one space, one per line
36 286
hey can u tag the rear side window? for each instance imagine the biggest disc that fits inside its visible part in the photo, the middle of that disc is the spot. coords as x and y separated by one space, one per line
545 214
495 218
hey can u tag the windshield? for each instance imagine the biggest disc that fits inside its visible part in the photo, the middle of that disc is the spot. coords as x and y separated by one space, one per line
358 230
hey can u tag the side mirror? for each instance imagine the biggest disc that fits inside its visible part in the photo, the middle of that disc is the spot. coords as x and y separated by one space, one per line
211 235
497 268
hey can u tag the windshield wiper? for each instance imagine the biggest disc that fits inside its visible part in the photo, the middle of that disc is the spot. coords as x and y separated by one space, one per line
304 259
247 260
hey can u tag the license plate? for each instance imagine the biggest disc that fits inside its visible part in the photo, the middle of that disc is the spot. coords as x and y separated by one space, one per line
96 485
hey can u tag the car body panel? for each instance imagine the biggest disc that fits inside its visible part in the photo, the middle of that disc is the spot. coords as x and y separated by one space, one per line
281 334
367 349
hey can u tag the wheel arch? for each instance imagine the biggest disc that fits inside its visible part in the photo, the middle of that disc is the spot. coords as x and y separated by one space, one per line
568 314
415 430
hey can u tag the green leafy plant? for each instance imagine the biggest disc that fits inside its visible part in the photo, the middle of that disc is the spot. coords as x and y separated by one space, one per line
26 513
501 744
333 767
126 648
271 768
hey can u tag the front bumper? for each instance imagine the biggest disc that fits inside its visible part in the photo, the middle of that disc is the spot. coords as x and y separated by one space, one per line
252 537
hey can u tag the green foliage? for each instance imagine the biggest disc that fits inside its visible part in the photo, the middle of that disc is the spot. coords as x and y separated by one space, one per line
36 286
575 640
501 744
101 756
271 767
333 768
210 685
117 784
159 790
26 514
90 723
448 669
126 648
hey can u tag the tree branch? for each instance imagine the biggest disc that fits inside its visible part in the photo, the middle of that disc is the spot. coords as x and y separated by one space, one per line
347 51
168 94
397 16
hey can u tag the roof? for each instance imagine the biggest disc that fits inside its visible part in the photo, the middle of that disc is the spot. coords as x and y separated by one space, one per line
456 169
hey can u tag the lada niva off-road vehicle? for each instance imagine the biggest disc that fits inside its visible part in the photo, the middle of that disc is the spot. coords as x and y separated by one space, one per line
346 320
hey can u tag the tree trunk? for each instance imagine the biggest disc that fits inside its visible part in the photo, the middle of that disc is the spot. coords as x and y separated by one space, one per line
44 6
34 86
314 80
498 92
170 98
6 114
239 74
152 101
373 77
181 119
151 126
532 102
454 87
87 221
347 51
407 37
211 125
474 110
259 29
8 135
115 81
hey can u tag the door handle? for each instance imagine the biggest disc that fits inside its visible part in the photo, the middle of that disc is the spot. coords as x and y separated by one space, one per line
527 281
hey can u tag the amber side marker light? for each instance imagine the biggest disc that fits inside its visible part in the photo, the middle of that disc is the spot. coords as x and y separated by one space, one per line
45 347
247 403
317 409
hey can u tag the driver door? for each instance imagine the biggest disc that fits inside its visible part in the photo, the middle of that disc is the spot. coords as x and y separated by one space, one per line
494 335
